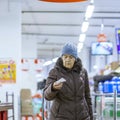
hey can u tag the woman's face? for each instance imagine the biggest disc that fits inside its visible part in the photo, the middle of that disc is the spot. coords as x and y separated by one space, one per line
68 61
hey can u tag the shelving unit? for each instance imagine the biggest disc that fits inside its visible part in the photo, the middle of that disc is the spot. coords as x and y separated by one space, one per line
107 106
6 106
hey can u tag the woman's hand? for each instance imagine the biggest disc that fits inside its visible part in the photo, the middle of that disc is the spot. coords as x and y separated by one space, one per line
57 86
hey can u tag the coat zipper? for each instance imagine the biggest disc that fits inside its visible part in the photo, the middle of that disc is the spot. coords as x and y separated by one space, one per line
75 95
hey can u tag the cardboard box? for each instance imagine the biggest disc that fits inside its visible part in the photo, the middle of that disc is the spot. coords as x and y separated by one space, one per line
27 110
114 65
26 101
25 94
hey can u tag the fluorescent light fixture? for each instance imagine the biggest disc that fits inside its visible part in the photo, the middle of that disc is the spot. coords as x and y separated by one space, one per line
79 46
92 1
89 11
82 37
54 59
102 27
95 67
85 25
50 61
47 63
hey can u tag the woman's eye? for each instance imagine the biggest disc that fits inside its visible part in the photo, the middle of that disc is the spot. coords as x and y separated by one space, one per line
70 57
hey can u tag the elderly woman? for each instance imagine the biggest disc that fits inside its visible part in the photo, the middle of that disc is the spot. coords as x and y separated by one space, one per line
71 95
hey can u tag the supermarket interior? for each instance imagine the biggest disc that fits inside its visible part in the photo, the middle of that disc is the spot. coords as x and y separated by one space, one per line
33 33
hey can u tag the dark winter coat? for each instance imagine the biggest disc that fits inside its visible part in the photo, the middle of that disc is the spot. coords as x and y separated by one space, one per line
72 101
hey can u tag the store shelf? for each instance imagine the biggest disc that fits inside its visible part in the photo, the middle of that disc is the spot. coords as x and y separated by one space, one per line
6 106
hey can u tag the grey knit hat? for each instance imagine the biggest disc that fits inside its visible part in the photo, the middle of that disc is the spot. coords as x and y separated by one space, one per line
71 49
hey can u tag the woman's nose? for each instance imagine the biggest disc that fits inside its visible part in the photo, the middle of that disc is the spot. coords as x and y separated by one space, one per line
68 58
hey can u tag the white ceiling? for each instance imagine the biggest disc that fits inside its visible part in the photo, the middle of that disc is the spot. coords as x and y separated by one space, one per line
53 24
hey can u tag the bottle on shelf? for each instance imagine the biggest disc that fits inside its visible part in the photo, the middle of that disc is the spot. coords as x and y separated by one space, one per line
100 87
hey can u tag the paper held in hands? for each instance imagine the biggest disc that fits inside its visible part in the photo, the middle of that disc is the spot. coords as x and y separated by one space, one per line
61 80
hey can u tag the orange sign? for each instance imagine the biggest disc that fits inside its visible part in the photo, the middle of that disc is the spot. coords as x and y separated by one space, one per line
101 37
63 1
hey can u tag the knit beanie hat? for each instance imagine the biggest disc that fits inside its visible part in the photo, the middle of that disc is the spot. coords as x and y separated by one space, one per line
71 49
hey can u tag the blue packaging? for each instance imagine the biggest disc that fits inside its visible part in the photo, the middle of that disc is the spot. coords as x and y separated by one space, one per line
100 87
115 83
118 85
107 87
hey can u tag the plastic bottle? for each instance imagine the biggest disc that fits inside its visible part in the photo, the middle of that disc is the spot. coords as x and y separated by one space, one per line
106 86
118 85
114 83
110 86
100 87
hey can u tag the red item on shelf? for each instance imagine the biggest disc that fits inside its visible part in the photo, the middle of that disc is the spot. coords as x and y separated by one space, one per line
3 115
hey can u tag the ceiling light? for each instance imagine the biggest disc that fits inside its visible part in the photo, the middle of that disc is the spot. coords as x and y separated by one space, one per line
95 67
82 37
85 25
102 26
92 1
47 63
63 1
79 46
54 59
50 61
89 11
